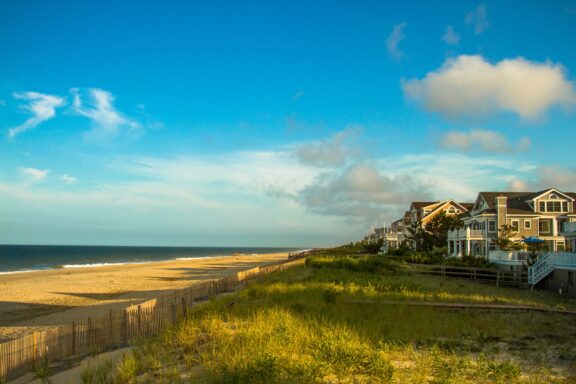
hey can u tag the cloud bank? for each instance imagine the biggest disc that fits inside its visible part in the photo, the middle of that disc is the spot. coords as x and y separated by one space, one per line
471 86
42 108
332 152
360 193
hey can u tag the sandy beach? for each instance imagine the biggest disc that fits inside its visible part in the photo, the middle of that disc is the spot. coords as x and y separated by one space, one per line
36 300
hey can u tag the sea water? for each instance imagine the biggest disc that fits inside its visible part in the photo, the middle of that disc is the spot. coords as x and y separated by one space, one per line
24 258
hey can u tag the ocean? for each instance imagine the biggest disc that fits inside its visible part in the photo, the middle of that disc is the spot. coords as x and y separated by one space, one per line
24 258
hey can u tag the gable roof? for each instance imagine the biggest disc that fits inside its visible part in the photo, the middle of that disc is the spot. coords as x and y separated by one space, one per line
422 204
517 202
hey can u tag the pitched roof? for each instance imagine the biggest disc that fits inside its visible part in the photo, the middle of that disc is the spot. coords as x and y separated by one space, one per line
517 202
467 206
422 204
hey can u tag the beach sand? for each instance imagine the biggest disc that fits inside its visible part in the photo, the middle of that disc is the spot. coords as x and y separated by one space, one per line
45 299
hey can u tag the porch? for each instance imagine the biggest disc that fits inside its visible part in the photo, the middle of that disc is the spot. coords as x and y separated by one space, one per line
466 241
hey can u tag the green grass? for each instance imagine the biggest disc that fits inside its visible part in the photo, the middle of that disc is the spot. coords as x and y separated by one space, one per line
329 322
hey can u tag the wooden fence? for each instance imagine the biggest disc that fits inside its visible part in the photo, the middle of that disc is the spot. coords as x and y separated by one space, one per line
495 276
117 328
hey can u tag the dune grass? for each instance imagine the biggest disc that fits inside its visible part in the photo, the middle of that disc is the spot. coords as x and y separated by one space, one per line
315 324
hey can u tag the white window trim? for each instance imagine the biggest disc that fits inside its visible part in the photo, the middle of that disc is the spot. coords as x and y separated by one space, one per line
560 200
529 222
495 229
517 223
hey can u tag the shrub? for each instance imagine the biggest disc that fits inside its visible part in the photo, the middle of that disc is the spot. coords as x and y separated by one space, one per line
42 370
96 374
127 369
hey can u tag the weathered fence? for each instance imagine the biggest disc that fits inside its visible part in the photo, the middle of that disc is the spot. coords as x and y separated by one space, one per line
495 276
118 327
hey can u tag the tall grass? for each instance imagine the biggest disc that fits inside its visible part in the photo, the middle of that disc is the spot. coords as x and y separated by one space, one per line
329 323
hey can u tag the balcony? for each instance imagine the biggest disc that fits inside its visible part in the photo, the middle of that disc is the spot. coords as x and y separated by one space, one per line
466 234
569 228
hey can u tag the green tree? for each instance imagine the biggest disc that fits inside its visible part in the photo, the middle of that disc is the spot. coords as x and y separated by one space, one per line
437 229
416 235
504 240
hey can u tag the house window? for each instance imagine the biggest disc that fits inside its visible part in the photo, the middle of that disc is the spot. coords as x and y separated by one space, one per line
514 225
560 246
527 224
544 227
553 206
564 206
491 226
542 206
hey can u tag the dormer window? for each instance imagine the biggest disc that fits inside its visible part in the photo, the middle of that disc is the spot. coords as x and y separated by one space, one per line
552 196
451 210
554 205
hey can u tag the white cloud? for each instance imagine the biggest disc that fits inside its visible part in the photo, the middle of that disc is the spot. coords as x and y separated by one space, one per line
469 85
478 19
394 40
42 107
546 176
34 174
67 179
361 193
100 109
482 140
450 36
334 151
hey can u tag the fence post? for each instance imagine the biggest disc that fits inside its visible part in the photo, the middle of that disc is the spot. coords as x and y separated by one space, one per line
89 333
73 346
34 349
124 340
174 315
184 308
110 322
139 318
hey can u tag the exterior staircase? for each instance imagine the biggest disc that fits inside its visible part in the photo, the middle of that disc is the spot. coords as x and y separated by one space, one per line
540 269
548 262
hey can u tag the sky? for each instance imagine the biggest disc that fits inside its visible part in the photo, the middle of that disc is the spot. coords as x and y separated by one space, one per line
284 123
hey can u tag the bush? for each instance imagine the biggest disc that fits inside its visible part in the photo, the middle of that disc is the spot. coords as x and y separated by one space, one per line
424 258
468 261
127 369
372 264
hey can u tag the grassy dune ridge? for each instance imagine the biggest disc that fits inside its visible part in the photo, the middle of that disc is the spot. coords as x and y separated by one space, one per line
328 322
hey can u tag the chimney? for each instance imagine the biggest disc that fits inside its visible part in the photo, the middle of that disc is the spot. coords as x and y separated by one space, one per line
501 207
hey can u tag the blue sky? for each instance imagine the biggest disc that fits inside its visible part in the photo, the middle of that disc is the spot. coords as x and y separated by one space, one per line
273 123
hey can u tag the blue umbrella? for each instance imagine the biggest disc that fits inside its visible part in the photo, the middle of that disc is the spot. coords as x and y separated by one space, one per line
533 240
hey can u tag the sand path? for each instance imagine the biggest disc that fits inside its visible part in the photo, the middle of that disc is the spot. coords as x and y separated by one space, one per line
37 300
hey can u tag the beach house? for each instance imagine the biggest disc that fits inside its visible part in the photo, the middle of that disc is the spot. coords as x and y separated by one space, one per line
419 214
530 214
